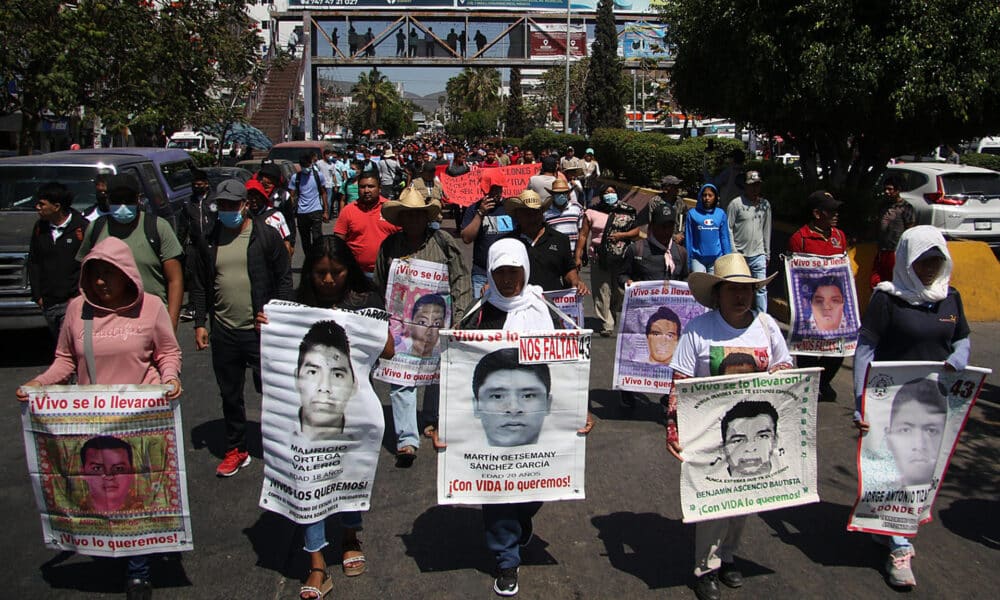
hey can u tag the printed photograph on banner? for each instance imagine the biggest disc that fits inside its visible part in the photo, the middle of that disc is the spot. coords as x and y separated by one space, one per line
915 413
418 301
749 442
824 305
107 467
321 421
654 314
569 302
511 424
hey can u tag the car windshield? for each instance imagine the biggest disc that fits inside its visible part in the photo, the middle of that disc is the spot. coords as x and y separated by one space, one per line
177 174
987 184
18 184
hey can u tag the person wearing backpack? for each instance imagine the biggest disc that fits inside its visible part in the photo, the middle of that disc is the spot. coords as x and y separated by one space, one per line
391 175
309 198
152 240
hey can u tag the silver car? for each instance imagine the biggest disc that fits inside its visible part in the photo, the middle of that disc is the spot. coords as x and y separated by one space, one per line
962 201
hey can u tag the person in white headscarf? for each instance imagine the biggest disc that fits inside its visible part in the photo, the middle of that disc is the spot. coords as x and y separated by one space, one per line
917 316
509 302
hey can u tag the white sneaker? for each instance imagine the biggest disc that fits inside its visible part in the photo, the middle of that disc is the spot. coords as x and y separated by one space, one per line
898 568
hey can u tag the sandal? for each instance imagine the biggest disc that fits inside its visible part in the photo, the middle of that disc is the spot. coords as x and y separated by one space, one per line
320 592
429 430
405 457
354 558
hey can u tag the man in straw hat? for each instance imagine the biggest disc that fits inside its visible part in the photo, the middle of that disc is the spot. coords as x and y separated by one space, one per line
417 240
732 325
563 214
552 264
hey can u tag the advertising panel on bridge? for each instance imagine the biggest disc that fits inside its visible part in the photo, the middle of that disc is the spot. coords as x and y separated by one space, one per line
549 40
621 6
643 40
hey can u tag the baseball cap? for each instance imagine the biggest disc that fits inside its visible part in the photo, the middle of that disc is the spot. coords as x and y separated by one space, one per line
662 213
823 200
753 177
232 190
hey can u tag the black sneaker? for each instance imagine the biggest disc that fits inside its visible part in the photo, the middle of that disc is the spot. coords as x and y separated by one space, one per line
730 575
139 589
827 393
707 587
186 315
506 582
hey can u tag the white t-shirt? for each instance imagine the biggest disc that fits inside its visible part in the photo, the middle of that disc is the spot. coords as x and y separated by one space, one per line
708 340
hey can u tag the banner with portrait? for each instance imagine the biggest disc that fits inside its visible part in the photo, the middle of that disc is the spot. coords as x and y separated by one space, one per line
749 442
511 408
418 300
107 467
569 302
824 305
321 421
653 315
915 413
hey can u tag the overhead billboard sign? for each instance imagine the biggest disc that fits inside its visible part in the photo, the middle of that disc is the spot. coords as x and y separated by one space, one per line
549 40
642 40
621 6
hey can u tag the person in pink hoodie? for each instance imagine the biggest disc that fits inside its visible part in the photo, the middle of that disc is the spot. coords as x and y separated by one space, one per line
133 343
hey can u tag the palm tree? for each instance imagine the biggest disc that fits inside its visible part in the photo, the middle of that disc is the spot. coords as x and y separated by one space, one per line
374 92
475 89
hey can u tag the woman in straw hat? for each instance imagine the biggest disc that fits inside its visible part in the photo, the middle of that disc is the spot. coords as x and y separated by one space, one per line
732 325
418 240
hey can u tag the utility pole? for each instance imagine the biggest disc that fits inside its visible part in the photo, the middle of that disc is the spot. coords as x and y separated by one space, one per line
566 108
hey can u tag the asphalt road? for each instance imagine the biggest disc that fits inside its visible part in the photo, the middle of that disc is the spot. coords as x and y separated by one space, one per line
625 540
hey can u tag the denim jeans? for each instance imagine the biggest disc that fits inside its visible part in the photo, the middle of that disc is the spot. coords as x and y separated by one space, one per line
404 412
315 533
504 524
895 542
478 283
233 350
137 567
758 268
697 266
54 316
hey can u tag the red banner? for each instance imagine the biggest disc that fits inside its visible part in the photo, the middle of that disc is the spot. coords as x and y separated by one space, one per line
466 190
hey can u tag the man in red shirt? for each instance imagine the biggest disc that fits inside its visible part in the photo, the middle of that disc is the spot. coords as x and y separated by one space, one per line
820 236
361 224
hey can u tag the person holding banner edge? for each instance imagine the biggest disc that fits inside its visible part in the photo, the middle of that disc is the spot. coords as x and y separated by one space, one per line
917 316
731 325
133 342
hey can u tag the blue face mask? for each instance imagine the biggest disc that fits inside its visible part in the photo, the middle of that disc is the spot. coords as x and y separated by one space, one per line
611 199
124 213
560 199
231 218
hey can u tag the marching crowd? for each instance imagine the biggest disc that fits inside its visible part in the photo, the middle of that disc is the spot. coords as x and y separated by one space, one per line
112 282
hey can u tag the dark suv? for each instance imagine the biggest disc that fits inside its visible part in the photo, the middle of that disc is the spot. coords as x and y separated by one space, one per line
20 177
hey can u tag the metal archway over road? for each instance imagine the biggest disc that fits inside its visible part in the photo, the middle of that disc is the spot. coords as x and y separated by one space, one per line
412 38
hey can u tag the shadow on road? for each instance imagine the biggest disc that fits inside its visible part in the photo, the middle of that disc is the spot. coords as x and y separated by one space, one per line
107 575
34 348
450 538
212 435
820 532
274 539
606 405
635 545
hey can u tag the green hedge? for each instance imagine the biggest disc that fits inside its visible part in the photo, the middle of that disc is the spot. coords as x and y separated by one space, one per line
642 158
540 139
202 159
986 161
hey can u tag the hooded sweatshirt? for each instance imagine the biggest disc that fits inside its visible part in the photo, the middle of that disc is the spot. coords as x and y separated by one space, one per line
133 344
706 231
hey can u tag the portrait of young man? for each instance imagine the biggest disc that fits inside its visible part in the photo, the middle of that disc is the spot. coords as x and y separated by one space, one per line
510 399
324 379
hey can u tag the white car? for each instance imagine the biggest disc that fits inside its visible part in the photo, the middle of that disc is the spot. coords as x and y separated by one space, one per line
962 201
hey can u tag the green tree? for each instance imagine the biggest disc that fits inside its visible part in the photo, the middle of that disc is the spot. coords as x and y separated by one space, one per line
473 90
514 118
603 104
373 93
852 82
554 84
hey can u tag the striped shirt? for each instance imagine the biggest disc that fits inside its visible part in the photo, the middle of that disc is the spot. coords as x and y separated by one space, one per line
566 221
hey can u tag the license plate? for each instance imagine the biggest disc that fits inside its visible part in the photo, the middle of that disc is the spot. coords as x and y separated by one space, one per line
983 225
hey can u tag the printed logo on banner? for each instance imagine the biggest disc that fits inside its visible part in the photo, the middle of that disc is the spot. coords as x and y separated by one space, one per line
511 427
824 305
915 413
107 467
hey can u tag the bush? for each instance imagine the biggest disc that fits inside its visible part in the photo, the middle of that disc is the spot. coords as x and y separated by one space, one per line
986 161
541 139
203 159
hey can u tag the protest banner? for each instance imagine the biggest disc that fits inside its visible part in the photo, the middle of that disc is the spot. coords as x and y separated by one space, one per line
749 442
653 315
418 300
107 467
511 408
321 421
569 302
915 413
824 305
465 190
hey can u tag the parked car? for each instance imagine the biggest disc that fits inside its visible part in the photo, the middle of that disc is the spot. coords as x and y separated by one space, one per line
192 141
293 150
216 175
20 178
962 201
287 167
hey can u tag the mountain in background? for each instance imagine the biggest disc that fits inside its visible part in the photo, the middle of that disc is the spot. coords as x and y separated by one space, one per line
428 104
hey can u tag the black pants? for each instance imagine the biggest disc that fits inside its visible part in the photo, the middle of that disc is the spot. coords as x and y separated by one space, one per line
310 229
233 350
830 364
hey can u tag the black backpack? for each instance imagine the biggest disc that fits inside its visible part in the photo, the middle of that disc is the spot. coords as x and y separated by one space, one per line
148 227
298 181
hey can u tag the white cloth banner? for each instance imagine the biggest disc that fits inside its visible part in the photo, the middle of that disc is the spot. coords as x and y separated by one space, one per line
749 442
107 467
915 413
511 407
321 421
569 302
653 315
824 305
418 300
